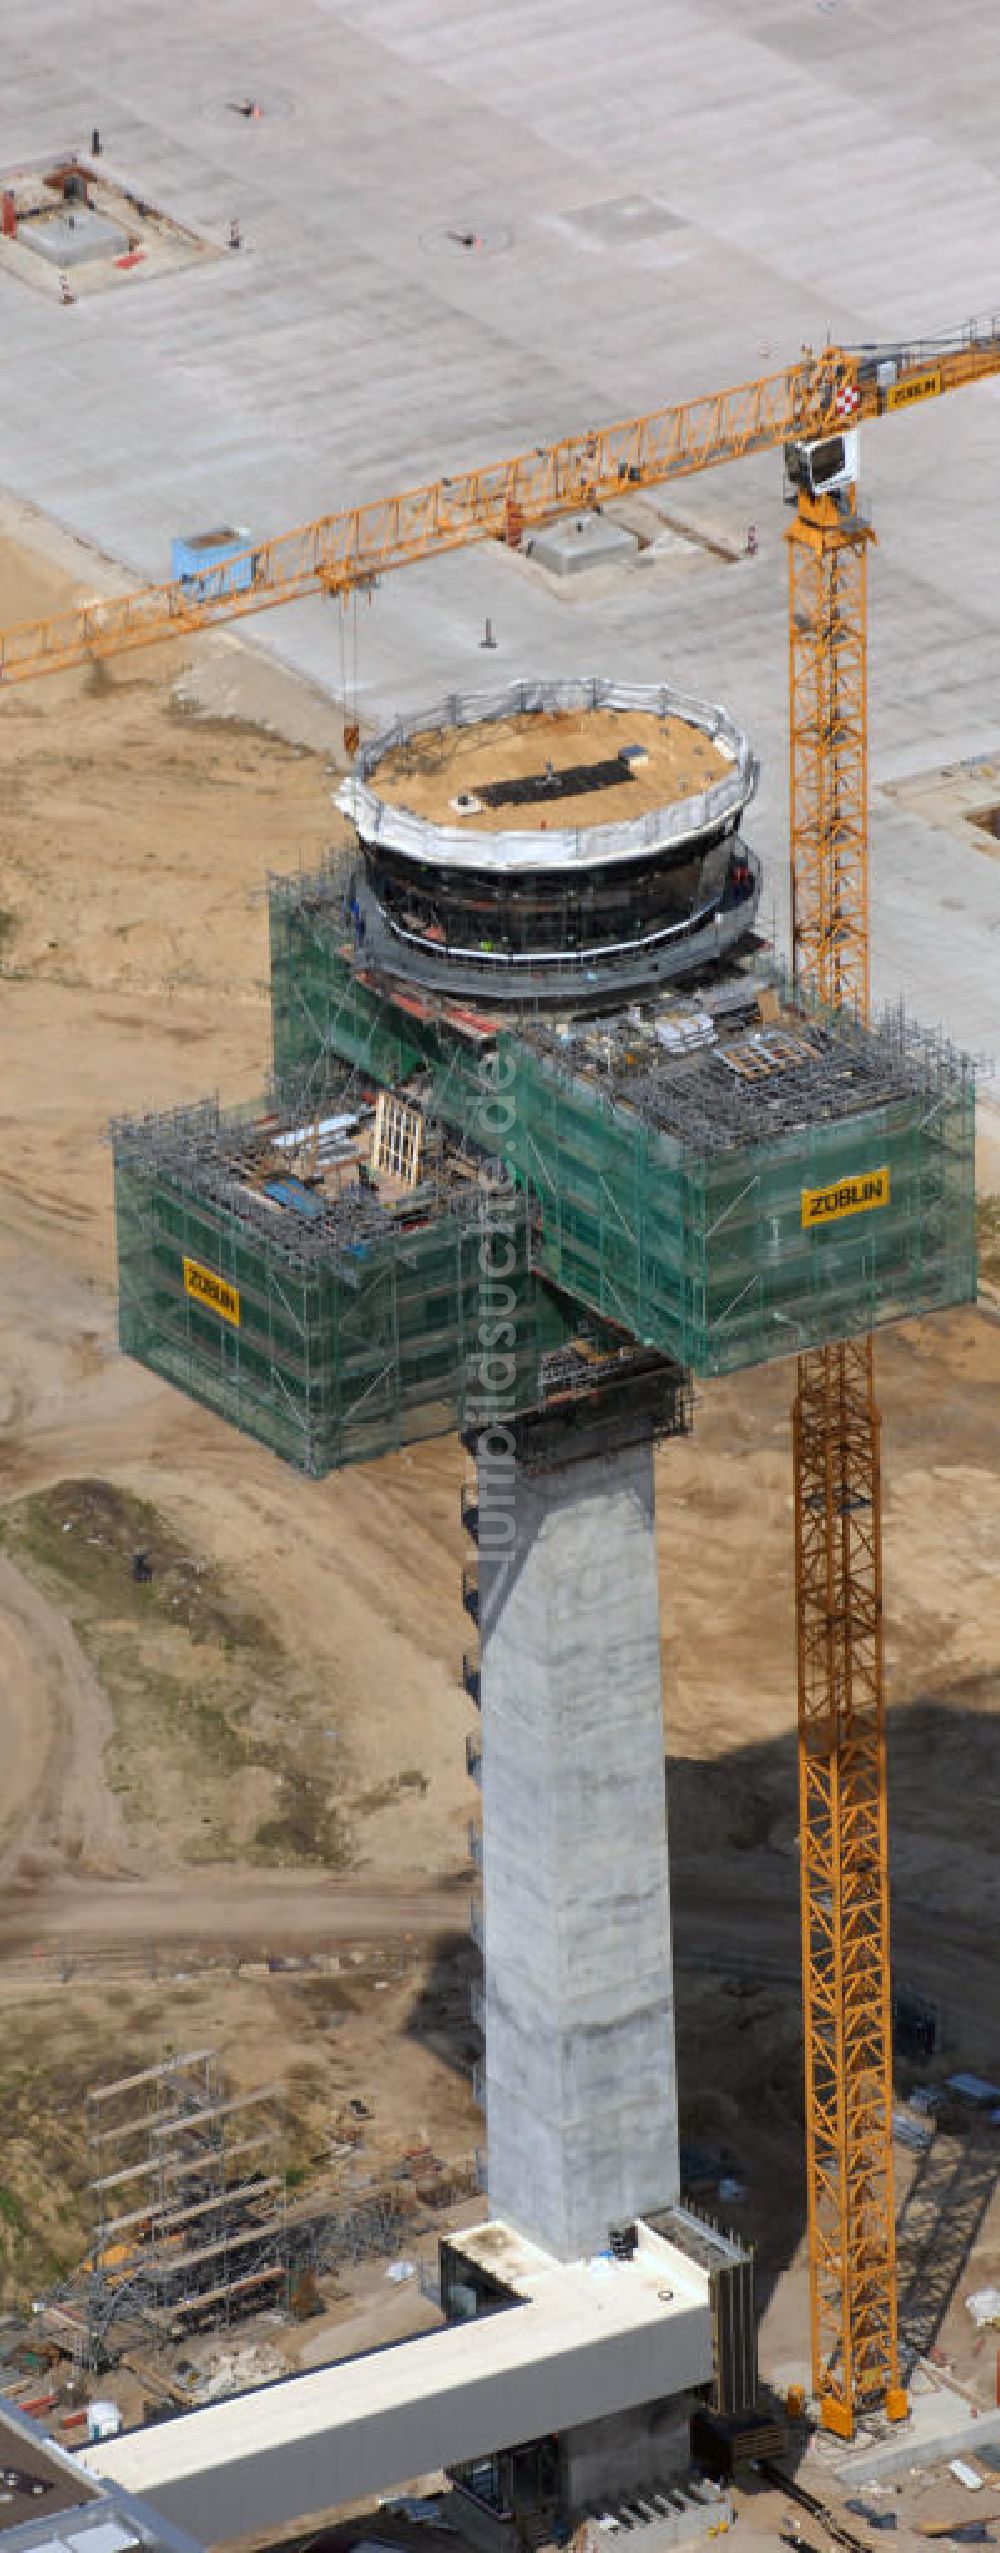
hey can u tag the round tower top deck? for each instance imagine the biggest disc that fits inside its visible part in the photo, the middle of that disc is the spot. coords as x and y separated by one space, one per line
554 838
605 766
580 771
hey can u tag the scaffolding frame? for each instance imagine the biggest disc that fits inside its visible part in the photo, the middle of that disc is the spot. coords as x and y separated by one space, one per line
668 1149
671 1193
322 1007
202 2235
332 1335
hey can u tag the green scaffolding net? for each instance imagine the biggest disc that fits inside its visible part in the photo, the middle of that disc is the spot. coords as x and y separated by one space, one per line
674 1201
329 1348
730 1254
320 1004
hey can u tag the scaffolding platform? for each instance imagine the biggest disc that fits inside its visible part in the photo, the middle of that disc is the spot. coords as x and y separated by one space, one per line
732 1196
730 1175
332 1309
173 2261
726 1177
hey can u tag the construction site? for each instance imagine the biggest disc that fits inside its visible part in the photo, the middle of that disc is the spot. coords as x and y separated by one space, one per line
499 1326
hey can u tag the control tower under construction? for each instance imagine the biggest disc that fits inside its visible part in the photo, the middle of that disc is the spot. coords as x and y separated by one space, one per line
548 1135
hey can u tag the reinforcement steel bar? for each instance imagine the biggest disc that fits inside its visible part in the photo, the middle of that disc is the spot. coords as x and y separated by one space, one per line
178 2122
205 2299
185 2171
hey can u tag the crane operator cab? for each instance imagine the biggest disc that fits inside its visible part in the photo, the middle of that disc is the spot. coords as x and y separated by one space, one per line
827 468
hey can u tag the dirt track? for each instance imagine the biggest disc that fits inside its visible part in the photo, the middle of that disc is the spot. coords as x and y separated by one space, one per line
290 1913
231 1910
57 1808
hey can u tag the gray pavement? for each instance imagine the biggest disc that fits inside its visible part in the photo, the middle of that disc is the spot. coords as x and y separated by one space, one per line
668 199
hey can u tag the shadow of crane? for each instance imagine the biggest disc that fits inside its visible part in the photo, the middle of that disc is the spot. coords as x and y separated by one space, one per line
938 2224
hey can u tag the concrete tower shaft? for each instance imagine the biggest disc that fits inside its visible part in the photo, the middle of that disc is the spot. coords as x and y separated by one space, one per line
581 2104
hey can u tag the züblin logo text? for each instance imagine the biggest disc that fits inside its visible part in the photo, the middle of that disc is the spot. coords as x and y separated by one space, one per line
849 1196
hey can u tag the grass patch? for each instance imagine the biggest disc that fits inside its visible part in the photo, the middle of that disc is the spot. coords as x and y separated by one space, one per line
96 1537
387 1794
307 1827
211 1743
988 1238
43 2199
155 1709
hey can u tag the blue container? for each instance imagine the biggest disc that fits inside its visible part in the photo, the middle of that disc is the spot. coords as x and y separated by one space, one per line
290 1192
214 563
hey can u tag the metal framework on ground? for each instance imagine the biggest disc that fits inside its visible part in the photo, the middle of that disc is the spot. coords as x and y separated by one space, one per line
187 2188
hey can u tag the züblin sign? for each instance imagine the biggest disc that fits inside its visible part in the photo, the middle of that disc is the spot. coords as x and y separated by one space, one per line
849 1196
914 385
212 1290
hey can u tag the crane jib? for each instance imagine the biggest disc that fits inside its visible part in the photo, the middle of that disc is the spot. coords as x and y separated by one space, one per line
339 552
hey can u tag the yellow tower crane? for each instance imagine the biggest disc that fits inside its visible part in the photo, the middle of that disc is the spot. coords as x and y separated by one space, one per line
814 398
843 1832
814 402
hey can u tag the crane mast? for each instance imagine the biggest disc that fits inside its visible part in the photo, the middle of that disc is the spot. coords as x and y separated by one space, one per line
843 1829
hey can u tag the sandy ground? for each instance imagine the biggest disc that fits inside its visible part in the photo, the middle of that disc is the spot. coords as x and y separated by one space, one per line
428 772
55 1792
135 838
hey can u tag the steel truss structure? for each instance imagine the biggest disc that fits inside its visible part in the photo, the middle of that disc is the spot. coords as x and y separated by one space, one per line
187 2190
811 398
838 1554
828 744
844 1879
